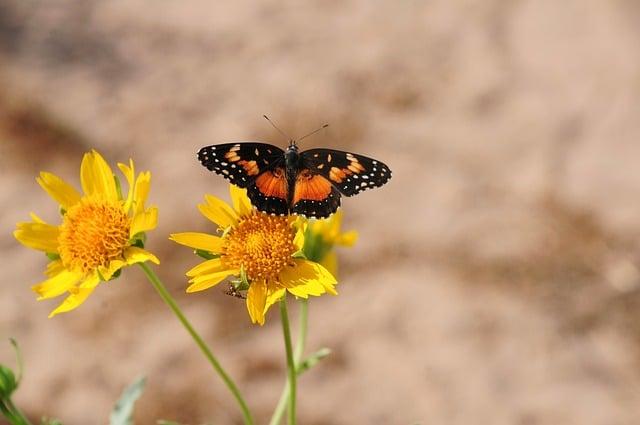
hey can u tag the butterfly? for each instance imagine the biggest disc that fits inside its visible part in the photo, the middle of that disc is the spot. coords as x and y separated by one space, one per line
282 182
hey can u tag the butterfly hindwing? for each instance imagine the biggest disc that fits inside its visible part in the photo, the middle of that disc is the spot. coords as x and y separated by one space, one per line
240 163
269 192
314 195
348 172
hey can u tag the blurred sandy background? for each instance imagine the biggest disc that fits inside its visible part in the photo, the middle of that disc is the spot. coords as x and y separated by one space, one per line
495 280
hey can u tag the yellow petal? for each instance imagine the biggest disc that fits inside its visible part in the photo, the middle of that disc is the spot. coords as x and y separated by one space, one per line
141 191
214 265
330 262
218 211
298 240
78 295
36 218
53 268
59 190
133 255
241 202
198 240
57 284
144 221
334 224
256 301
206 281
273 296
307 278
96 177
347 239
107 272
129 174
40 236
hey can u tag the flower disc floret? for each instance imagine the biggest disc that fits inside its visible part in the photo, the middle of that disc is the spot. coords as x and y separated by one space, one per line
261 244
93 233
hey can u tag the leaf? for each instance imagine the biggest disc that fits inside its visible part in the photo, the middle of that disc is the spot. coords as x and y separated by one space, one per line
122 413
312 360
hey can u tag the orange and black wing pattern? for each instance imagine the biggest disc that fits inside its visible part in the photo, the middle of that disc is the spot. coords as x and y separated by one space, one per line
240 163
269 192
314 195
348 172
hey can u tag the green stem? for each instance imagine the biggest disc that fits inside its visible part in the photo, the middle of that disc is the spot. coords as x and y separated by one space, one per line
299 350
290 361
12 413
168 299
18 413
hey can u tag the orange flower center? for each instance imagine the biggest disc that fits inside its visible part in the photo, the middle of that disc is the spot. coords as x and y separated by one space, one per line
261 244
93 233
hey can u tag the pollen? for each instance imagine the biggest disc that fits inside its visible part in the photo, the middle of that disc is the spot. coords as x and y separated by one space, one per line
93 233
261 244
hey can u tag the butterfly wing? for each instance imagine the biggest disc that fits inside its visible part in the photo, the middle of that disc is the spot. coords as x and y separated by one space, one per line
348 172
314 195
242 162
268 192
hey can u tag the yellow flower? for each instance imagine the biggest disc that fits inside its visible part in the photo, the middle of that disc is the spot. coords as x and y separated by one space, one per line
101 231
322 236
263 250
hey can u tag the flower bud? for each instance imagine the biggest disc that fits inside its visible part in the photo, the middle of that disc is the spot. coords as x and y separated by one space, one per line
8 383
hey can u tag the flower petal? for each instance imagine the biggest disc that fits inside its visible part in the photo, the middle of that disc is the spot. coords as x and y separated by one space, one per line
206 281
347 238
78 295
298 240
143 221
129 173
53 268
307 278
198 240
273 296
106 273
59 190
40 236
141 191
214 265
330 262
134 255
57 284
218 211
256 301
96 176
241 202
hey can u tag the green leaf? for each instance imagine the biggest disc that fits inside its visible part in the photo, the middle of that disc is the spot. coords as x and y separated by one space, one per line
312 360
52 256
163 422
122 413
18 359
205 254
8 383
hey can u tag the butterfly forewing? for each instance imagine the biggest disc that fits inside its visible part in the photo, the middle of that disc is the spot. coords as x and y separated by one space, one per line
241 162
348 172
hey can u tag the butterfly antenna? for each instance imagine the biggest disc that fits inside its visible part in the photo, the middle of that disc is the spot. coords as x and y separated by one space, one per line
280 131
313 132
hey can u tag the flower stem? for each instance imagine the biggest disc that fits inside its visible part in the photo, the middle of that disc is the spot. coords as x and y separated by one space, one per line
290 361
168 299
12 413
297 355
